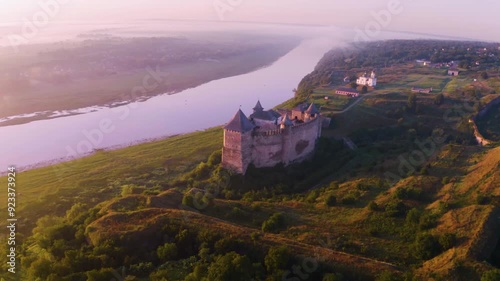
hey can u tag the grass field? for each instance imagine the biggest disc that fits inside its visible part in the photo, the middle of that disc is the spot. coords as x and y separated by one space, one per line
97 178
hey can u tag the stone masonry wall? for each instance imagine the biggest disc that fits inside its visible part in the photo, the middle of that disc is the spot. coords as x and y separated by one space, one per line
303 140
267 150
236 152
270 148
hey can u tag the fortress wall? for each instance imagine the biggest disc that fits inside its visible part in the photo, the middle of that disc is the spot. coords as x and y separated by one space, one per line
303 140
267 150
237 148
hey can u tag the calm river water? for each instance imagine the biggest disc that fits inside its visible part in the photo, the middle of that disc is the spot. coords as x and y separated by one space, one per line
206 106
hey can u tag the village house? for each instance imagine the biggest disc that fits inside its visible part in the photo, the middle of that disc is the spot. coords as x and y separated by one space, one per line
349 92
453 72
366 80
421 90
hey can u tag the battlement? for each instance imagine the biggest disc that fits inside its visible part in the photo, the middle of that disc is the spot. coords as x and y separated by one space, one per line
268 133
308 123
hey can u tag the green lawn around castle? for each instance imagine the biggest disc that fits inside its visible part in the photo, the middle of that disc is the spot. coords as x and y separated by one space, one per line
166 209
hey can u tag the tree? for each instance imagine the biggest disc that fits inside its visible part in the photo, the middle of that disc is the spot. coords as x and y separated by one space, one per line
439 99
387 276
229 267
364 90
167 252
331 200
412 102
333 277
484 75
274 223
354 85
426 246
492 275
447 241
276 258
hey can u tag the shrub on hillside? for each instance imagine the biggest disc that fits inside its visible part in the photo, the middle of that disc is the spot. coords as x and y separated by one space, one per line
274 223
333 277
388 276
395 208
492 275
373 206
215 158
131 189
447 241
349 199
331 200
426 246
427 221
411 193
230 266
276 258
167 252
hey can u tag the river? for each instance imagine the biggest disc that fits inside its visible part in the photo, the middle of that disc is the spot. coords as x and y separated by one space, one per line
212 104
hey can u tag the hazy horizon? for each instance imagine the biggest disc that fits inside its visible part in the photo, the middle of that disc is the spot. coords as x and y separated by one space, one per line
447 18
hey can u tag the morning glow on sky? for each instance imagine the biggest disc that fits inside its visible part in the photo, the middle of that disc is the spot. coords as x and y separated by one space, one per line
458 18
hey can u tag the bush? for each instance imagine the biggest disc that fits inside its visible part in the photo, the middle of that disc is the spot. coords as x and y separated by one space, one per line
159 275
388 276
276 258
237 214
427 221
426 246
230 266
439 99
411 193
349 199
331 200
445 180
413 216
482 199
141 269
447 241
492 275
333 277
311 197
167 252
187 200
373 206
274 223
215 158
395 208
130 189
104 274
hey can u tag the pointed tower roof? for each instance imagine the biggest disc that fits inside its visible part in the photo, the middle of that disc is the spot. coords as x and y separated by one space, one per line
239 123
258 107
285 120
312 109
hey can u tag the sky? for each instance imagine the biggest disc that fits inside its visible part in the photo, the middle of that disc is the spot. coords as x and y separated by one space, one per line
458 18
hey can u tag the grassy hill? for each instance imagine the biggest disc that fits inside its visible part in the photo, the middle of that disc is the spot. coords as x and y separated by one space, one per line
416 200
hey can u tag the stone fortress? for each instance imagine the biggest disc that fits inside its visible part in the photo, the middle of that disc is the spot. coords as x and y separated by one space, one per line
268 138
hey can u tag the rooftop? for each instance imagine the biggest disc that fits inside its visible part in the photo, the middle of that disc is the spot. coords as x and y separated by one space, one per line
350 90
239 123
